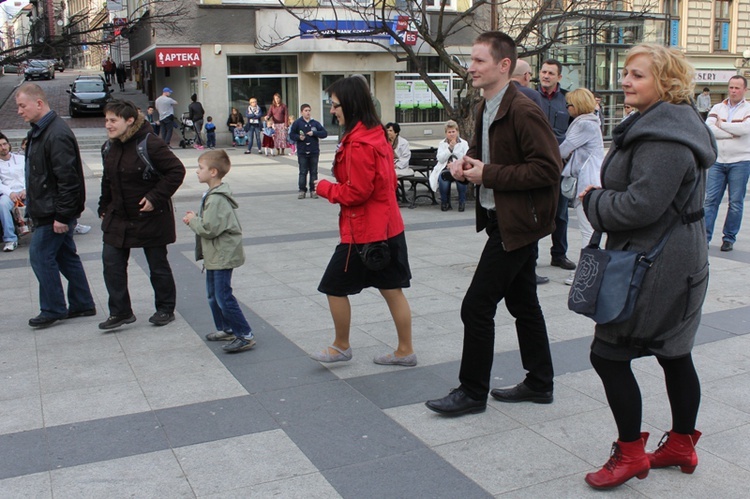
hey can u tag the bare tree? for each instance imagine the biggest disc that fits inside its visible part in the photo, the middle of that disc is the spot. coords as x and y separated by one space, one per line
429 27
169 16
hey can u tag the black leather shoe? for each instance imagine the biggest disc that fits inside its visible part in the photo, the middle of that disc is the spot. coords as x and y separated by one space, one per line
563 263
445 207
727 246
541 280
461 207
116 321
521 393
82 313
42 321
456 403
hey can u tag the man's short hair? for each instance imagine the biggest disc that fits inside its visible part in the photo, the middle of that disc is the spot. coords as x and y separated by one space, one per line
122 109
303 107
706 89
218 159
739 77
395 126
554 62
34 91
3 137
501 45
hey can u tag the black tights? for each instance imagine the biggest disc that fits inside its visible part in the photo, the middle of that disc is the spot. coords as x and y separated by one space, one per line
624 396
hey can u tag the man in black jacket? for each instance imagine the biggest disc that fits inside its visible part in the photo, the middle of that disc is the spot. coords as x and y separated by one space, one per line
55 197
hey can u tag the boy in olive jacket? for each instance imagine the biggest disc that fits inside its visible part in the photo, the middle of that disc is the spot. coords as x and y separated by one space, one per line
219 245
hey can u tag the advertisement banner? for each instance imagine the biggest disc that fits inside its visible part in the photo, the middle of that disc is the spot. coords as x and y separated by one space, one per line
404 96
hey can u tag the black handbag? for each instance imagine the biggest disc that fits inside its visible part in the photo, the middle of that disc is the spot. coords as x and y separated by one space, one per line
607 282
375 256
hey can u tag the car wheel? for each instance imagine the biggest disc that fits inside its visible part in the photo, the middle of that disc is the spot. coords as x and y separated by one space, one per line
71 112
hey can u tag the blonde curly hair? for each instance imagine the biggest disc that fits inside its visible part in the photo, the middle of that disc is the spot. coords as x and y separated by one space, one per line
673 73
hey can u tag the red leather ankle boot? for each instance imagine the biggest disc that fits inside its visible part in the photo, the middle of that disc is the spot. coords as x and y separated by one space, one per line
676 449
627 460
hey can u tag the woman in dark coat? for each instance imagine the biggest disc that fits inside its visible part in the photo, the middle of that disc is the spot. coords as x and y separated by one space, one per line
121 75
648 181
136 211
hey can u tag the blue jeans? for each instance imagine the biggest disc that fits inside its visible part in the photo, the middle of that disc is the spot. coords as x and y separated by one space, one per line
253 132
228 316
167 127
6 219
53 254
445 191
211 139
719 176
307 163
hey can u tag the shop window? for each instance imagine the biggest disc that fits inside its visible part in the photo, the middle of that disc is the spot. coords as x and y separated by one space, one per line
261 77
722 25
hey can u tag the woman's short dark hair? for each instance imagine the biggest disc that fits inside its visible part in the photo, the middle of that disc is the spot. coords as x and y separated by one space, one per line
356 102
395 126
194 98
122 109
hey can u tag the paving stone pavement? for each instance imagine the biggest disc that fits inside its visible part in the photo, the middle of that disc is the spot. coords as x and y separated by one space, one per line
159 412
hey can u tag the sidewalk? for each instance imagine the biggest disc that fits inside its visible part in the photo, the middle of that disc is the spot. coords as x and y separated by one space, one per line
159 412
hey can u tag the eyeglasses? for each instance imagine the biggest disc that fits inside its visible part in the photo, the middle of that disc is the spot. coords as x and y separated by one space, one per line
569 105
335 105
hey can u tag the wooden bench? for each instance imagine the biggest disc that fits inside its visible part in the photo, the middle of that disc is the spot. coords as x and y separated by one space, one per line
422 162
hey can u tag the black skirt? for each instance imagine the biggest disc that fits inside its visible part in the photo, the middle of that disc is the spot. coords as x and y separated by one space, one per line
347 275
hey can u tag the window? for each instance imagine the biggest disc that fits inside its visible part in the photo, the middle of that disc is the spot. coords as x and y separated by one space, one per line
261 77
722 25
435 4
673 9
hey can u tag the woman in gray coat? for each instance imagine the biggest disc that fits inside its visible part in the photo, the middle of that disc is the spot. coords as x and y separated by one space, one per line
657 157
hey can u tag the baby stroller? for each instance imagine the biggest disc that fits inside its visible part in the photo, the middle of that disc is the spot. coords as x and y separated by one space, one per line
239 136
187 129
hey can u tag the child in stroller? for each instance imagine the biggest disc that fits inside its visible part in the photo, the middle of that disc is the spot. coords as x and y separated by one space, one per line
187 129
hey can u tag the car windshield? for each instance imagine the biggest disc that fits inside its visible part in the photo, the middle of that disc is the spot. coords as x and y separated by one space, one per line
38 64
89 86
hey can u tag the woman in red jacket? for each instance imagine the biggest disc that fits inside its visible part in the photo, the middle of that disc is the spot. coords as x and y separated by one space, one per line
365 189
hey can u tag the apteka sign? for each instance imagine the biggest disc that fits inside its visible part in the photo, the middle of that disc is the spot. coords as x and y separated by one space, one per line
176 57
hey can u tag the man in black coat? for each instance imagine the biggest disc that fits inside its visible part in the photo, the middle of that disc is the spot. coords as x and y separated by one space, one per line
55 197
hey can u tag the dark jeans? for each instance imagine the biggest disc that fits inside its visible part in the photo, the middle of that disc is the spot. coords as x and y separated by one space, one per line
445 190
52 254
560 236
198 124
228 316
167 127
307 163
211 139
115 262
253 132
509 275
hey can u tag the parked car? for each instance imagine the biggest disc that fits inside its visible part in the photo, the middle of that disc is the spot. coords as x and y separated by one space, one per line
38 69
59 65
88 95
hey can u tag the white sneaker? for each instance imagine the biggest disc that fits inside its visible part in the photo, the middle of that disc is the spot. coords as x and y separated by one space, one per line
82 229
569 280
10 246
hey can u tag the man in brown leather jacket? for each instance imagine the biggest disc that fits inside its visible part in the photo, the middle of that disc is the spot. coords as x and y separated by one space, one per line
515 163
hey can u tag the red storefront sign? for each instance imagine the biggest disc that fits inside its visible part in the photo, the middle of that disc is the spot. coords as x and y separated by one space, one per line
178 57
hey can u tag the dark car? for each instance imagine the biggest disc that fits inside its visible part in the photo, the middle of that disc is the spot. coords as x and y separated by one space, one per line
88 96
39 69
59 65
